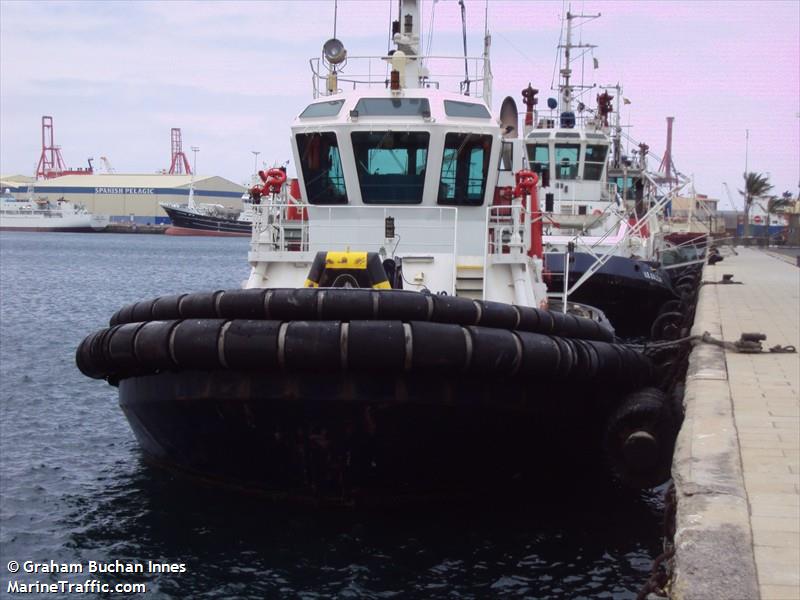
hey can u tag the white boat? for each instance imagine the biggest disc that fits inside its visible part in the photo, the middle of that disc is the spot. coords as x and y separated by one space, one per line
44 215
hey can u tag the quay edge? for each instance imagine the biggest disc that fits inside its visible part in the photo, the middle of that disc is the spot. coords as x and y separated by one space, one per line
713 540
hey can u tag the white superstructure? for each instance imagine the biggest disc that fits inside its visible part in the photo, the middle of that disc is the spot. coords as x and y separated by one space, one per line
43 215
401 167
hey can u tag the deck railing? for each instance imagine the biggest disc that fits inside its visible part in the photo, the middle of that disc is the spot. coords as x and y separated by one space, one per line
438 72
386 229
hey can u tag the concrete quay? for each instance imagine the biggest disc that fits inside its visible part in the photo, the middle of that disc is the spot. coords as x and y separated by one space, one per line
737 461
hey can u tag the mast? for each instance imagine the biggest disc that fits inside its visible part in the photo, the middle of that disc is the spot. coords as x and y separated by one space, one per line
406 34
565 87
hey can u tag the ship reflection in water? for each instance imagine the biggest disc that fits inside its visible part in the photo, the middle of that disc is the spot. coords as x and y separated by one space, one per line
244 547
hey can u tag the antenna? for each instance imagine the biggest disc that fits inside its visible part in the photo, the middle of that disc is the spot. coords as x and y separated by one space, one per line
566 71
464 36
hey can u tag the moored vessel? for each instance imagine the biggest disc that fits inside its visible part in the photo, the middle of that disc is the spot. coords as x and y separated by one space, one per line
201 218
207 219
395 338
44 215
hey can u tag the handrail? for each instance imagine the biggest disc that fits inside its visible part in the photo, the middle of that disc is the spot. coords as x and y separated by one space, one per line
280 227
479 73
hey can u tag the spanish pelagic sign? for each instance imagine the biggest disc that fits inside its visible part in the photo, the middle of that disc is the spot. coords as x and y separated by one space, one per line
123 190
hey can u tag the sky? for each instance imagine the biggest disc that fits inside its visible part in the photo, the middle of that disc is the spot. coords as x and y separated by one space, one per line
116 76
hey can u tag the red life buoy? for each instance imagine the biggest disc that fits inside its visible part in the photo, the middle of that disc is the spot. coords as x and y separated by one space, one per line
275 180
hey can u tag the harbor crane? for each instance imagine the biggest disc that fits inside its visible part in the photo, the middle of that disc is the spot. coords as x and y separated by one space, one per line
179 164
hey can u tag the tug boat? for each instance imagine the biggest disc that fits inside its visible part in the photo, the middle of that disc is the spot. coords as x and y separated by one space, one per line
42 215
395 340
601 209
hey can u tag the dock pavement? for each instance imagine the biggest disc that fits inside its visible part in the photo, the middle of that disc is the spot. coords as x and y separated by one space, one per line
737 462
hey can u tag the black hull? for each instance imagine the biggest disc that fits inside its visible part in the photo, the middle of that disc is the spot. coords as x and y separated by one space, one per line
345 439
630 292
298 393
206 224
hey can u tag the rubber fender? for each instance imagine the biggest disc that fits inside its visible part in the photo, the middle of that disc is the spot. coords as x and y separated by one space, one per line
251 345
142 311
454 309
99 352
376 345
338 304
242 304
568 363
565 325
200 305
541 356
292 304
151 346
610 361
311 346
165 308
587 363
124 315
534 320
114 320
84 358
642 460
494 351
499 315
589 329
636 367
439 346
397 305
195 343
120 348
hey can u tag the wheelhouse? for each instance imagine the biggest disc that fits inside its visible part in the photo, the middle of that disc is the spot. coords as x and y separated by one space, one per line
412 148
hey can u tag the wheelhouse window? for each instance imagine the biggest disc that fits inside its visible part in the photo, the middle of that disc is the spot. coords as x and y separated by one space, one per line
322 168
322 109
391 165
393 107
539 157
453 108
595 160
566 156
465 168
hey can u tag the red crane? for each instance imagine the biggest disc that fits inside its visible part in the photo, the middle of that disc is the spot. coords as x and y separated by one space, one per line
667 166
179 164
51 164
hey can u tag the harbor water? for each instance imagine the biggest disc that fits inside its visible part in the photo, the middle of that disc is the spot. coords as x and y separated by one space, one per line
74 486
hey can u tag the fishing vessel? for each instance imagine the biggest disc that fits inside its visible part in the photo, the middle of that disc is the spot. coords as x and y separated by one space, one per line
395 338
200 218
43 215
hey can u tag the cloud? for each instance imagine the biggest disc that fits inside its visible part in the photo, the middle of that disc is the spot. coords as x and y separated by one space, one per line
117 75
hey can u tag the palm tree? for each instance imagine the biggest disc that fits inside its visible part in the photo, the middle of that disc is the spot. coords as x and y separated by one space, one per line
773 205
756 186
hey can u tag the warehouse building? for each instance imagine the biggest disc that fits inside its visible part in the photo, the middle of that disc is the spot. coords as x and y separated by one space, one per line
129 198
